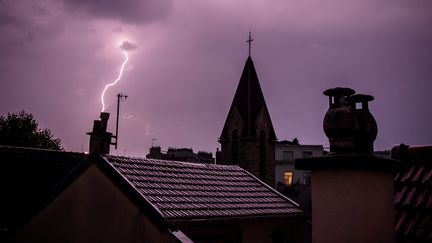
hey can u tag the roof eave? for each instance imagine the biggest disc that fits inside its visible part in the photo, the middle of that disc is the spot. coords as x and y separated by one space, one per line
299 214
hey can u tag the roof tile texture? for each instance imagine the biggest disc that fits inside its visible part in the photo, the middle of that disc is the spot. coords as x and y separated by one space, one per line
201 191
413 203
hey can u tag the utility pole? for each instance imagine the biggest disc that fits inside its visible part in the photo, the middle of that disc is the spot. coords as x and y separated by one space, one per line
120 97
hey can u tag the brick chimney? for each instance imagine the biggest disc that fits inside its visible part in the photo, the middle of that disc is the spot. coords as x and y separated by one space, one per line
352 190
100 139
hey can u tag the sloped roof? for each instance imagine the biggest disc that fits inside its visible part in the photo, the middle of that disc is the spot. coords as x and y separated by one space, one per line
413 194
27 175
190 191
249 100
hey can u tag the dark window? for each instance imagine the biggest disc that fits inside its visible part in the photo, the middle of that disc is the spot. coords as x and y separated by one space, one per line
262 157
306 177
287 156
307 154
235 147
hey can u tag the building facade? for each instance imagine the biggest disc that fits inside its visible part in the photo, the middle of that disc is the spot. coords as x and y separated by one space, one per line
286 152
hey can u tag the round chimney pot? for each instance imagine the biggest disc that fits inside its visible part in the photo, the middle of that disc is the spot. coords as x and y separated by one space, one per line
357 98
104 115
339 91
350 130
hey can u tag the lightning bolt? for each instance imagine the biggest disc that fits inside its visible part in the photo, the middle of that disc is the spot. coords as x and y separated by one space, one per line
114 82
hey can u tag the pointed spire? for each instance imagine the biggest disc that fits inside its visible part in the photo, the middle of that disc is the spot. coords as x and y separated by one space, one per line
248 101
249 41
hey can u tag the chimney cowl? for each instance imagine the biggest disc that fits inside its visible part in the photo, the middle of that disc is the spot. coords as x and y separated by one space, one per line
104 116
350 130
100 139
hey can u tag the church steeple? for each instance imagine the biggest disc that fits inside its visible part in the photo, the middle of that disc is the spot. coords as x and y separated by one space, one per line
249 102
248 137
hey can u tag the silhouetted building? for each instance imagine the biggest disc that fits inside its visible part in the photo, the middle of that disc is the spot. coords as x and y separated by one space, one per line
285 155
181 154
120 199
248 138
27 176
109 198
384 154
292 182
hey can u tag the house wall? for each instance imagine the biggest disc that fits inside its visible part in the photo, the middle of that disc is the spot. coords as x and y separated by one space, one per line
317 150
282 165
293 230
261 230
352 206
92 209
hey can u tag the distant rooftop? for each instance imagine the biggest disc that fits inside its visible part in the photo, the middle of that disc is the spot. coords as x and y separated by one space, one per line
180 154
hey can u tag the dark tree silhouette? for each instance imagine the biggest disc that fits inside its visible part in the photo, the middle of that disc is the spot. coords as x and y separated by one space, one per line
21 129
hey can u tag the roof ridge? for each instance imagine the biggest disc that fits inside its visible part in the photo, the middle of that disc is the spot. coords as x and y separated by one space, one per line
193 164
38 149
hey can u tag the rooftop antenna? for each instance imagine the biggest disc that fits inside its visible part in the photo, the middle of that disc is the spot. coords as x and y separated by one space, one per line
120 96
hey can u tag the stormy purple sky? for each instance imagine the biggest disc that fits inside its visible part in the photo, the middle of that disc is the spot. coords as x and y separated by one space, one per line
186 58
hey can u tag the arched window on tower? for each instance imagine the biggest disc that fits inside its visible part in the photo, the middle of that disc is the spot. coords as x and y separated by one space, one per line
262 155
235 147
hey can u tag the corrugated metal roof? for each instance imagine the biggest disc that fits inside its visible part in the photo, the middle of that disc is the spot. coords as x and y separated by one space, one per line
183 190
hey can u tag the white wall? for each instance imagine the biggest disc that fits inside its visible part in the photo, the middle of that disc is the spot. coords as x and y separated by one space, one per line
282 165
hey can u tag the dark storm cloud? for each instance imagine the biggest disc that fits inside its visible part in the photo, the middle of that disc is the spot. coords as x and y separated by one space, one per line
128 11
128 46
21 22
14 27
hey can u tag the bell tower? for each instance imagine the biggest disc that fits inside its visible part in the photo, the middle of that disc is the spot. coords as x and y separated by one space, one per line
248 138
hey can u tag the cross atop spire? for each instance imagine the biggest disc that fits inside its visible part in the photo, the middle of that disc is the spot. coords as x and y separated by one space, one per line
249 41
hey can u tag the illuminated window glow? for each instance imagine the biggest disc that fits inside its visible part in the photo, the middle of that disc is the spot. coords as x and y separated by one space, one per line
288 177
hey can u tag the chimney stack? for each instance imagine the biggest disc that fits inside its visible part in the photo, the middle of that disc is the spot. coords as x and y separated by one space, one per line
348 124
100 139
352 190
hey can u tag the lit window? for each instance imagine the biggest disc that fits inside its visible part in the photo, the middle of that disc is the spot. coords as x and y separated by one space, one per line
288 176
287 155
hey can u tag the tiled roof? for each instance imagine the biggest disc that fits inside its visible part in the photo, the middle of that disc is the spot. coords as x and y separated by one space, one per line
413 196
184 191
